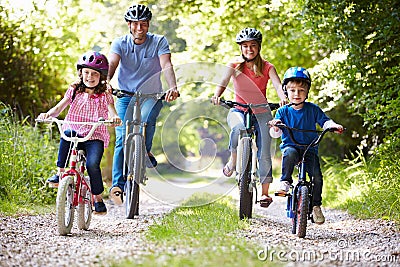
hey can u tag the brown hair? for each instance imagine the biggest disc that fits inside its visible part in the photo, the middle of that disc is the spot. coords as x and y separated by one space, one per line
301 82
80 87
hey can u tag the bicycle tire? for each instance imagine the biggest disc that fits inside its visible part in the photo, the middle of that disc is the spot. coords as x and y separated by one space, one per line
246 196
302 211
85 210
64 206
135 171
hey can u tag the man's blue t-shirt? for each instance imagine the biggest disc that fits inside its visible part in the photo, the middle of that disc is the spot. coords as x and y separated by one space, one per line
139 67
304 119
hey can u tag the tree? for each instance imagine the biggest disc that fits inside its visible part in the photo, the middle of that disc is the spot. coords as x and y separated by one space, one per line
367 33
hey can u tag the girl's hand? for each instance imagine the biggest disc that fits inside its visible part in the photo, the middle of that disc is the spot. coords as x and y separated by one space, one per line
43 116
116 121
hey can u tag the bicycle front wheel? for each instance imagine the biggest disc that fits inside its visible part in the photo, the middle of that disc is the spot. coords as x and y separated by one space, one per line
85 209
302 211
246 194
135 172
64 205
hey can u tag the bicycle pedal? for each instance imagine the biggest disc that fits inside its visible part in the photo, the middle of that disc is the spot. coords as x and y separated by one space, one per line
282 194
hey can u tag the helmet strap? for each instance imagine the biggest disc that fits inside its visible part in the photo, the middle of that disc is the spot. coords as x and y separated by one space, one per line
248 60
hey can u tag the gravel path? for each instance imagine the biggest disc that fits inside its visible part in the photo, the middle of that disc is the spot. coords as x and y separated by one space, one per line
341 241
34 240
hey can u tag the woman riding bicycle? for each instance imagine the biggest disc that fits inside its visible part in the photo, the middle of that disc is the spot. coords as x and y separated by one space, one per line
302 115
250 75
88 102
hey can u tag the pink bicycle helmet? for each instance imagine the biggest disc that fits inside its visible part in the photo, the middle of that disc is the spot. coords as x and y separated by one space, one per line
93 60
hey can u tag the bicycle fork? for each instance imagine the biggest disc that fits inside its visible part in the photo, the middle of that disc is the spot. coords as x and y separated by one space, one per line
241 165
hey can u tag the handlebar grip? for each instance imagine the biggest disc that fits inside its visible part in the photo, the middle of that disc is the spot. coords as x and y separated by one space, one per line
273 106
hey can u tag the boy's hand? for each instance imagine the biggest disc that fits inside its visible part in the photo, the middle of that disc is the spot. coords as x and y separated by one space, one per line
274 122
340 129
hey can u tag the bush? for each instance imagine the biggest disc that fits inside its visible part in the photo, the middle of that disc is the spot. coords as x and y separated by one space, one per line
27 159
368 188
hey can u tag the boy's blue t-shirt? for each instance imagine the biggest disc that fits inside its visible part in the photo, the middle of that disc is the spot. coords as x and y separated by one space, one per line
304 119
139 67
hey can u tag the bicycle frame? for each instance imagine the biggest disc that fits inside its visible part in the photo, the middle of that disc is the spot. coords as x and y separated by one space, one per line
134 169
299 221
78 188
77 160
246 165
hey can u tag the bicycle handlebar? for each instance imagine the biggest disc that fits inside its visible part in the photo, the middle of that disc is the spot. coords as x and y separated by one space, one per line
122 93
60 123
230 104
315 142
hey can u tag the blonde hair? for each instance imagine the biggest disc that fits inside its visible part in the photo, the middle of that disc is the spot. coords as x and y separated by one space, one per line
258 67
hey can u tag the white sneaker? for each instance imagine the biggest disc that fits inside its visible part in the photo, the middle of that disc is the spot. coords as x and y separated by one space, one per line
318 216
284 187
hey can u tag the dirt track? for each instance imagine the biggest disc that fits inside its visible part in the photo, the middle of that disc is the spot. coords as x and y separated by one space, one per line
341 241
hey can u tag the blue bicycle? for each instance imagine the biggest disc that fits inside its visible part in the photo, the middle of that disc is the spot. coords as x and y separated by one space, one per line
299 198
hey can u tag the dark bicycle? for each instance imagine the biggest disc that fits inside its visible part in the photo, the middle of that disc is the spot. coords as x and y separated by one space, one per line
299 198
246 166
134 171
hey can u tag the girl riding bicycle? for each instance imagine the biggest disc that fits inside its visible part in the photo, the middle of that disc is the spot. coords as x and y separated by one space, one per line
251 74
302 115
88 102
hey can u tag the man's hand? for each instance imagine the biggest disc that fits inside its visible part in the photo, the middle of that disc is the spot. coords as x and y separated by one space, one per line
171 95
109 87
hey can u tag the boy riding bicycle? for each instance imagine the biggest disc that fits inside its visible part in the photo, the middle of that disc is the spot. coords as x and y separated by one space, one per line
302 115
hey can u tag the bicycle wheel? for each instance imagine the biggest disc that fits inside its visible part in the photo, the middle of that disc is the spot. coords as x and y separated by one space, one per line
246 195
302 211
135 171
64 205
85 209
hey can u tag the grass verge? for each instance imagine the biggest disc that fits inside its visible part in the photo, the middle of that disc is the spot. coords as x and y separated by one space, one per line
196 235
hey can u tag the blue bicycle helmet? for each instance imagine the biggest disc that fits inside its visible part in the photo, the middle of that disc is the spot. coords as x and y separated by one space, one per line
297 73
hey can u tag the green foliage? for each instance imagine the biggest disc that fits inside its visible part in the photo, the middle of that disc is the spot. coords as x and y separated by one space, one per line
199 235
26 162
39 47
367 32
367 188
210 27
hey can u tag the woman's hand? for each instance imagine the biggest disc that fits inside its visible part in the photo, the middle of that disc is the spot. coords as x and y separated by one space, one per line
215 100
283 102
